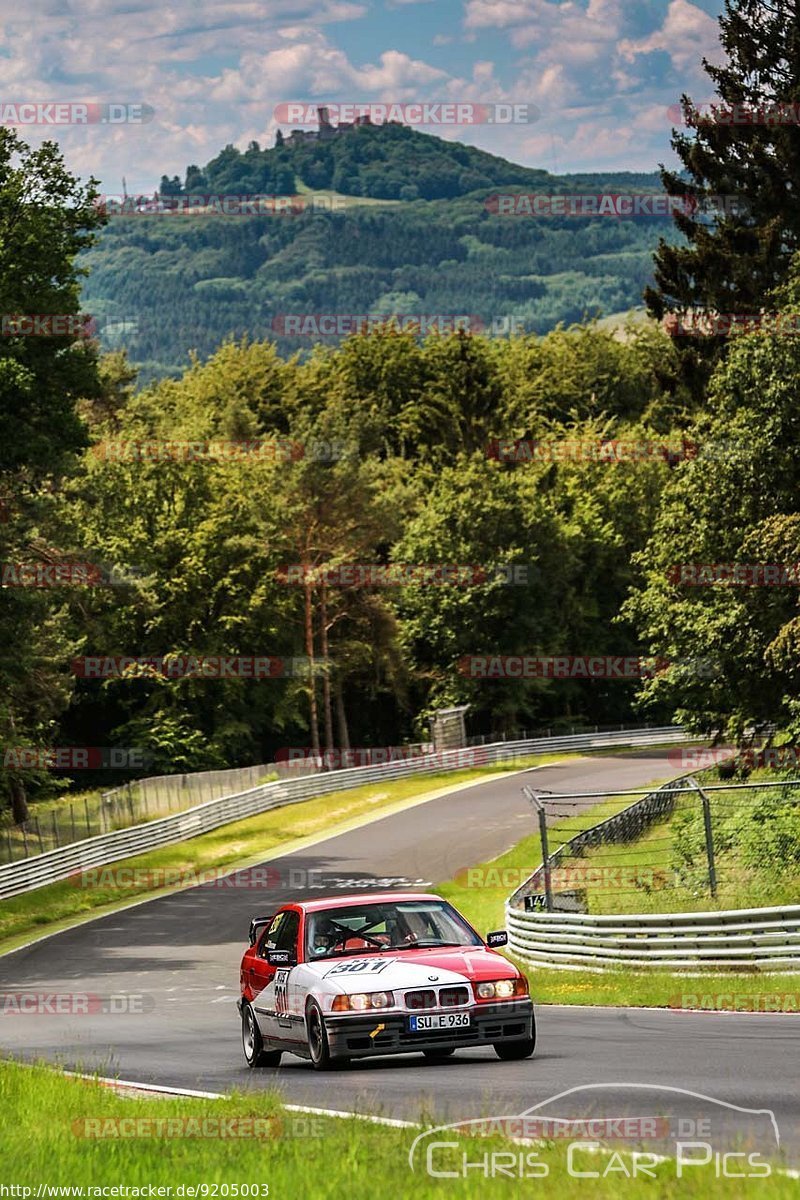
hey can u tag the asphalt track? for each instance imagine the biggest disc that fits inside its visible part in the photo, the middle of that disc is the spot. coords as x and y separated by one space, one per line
176 960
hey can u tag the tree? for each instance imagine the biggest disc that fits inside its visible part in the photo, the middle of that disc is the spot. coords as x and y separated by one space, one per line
734 260
46 219
736 503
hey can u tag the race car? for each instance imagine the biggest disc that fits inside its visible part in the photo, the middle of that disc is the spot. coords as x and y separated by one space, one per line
362 976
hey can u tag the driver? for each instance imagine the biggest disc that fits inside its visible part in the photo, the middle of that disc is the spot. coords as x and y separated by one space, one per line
324 935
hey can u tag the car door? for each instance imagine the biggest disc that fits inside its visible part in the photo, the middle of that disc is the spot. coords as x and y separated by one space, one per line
272 1005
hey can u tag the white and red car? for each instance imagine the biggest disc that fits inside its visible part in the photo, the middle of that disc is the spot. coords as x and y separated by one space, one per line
359 976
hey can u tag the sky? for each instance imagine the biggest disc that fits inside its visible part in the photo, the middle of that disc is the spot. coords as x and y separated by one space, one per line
598 75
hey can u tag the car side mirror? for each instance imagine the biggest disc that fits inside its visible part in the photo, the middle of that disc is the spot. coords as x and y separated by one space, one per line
498 938
256 925
281 958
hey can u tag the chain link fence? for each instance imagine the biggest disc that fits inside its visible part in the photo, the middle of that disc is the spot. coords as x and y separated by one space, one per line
697 842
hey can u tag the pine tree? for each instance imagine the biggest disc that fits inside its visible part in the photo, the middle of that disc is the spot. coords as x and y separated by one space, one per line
745 147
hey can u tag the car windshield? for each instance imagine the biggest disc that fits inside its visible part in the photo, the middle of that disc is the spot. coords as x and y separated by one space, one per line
356 929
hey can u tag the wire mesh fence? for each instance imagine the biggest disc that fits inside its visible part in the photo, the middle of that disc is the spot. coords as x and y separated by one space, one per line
59 822
695 843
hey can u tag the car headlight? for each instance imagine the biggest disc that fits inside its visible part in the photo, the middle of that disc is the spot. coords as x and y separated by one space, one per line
501 989
362 1001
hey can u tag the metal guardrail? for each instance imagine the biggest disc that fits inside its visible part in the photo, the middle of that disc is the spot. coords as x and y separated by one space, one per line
757 939
41 869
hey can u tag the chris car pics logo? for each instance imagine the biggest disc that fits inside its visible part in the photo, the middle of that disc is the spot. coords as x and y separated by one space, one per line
607 1131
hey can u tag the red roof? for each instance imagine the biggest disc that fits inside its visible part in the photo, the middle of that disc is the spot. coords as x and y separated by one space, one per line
364 898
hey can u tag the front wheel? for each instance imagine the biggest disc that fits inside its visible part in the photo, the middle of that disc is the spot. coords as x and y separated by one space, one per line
318 1047
524 1048
253 1044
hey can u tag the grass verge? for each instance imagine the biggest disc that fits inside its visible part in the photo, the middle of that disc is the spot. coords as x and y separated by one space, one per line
76 1134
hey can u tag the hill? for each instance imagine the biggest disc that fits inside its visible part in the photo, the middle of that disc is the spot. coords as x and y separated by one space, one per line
398 223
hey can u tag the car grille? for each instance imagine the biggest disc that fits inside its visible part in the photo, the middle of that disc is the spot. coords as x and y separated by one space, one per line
421 999
448 997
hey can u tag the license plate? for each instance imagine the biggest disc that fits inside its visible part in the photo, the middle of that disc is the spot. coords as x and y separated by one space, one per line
438 1021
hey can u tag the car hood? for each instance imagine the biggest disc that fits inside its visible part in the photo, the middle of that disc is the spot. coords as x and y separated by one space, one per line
411 968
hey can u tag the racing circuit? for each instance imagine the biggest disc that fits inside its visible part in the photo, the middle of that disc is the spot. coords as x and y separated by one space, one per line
180 954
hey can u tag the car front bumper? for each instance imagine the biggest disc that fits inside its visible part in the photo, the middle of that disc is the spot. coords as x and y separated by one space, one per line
376 1033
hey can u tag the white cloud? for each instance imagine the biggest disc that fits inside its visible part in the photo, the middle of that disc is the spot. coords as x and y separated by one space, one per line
687 34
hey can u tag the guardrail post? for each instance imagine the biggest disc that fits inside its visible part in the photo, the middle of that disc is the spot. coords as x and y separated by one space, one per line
712 870
530 794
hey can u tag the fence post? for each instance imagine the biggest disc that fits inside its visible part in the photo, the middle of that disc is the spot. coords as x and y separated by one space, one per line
530 794
24 838
72 814
55 830
39 834
88 823
712 870
130 802
10 847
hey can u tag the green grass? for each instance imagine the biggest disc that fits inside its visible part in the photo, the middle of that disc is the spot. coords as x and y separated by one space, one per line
46 1117
237 845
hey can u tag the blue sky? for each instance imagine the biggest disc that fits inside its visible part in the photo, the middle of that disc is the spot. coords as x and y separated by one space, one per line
602 73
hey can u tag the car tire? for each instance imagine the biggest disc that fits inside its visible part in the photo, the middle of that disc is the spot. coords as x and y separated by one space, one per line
318 1047
524 1048
434 1054
252 1043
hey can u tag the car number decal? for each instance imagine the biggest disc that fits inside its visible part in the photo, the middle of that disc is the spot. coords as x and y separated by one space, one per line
282 996
361 966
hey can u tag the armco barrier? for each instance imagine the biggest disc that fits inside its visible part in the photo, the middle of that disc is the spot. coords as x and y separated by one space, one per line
766 939
41 869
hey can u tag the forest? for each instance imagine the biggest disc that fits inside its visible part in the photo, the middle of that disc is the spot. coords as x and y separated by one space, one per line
270 550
